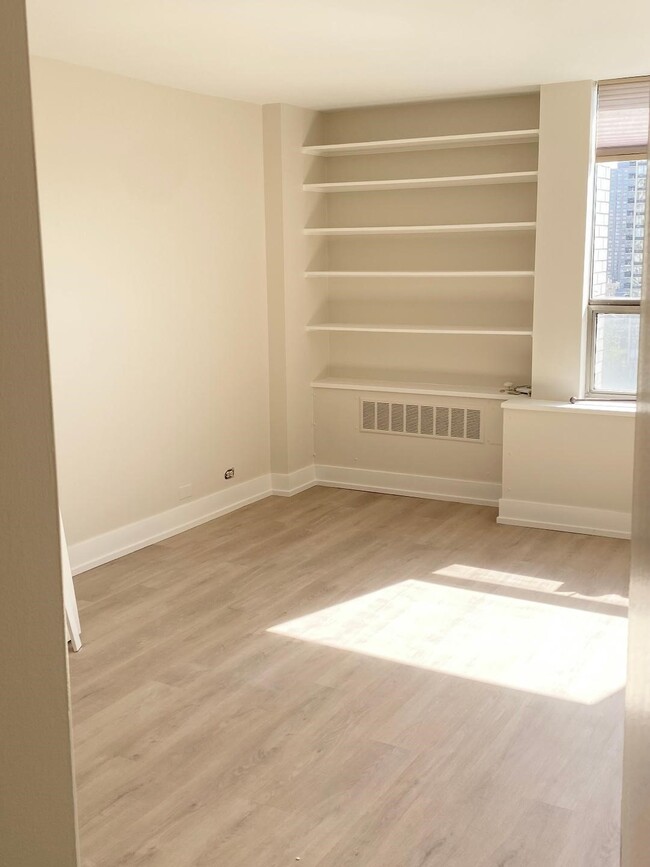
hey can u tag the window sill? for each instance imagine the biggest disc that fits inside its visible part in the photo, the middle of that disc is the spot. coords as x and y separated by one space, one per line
605 407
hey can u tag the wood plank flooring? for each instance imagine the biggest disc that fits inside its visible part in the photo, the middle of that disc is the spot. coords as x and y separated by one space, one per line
344 678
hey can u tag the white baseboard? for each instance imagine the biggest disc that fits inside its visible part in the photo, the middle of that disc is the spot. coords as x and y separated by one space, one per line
407 485
288 484
124 540
568 519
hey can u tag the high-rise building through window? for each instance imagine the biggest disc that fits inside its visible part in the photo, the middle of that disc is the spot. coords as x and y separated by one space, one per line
625 226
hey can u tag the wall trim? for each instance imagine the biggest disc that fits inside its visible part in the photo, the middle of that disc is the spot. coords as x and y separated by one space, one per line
408 485
567 519
288 484
131 537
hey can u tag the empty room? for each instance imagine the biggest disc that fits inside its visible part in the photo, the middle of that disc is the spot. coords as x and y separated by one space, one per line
325 434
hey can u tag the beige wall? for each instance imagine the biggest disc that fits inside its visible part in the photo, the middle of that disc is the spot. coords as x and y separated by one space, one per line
296 358
152 209
37 815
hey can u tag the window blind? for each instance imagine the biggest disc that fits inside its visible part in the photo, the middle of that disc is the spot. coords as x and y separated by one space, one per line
623 118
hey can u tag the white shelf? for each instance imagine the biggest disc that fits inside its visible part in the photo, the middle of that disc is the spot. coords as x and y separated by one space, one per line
423 230
488 392
419 273
516 136
420 329
423 183
626 409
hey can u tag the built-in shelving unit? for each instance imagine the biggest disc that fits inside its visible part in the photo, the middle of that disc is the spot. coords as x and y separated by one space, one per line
401 221
421 329
422 183
450 229
388 146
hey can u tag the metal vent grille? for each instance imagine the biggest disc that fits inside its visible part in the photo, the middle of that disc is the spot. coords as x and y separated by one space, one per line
457 423
383 418
368 416
411 419
473 424
426 421
442 421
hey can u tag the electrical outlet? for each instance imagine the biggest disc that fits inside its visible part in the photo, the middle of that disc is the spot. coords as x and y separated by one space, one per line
185 492
229 474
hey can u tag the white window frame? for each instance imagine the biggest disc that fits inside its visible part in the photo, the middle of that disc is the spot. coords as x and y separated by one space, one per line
609 305
602 305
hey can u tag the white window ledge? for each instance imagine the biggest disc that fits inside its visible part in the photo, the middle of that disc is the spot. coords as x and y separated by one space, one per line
600 407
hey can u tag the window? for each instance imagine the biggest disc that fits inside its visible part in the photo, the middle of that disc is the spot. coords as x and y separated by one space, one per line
620 187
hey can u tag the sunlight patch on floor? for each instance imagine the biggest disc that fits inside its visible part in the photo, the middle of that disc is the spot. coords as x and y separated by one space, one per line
539 584
494 576
543 648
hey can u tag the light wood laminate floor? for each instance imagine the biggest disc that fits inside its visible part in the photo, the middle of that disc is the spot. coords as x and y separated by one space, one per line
348 678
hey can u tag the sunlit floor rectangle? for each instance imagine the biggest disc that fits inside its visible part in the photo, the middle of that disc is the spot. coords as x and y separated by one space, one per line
548 649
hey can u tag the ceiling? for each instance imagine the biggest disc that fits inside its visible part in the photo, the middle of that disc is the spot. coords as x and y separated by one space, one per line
331 53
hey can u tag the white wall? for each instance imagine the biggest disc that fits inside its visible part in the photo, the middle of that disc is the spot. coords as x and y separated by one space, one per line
152 210
567 467
37 809
563 244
